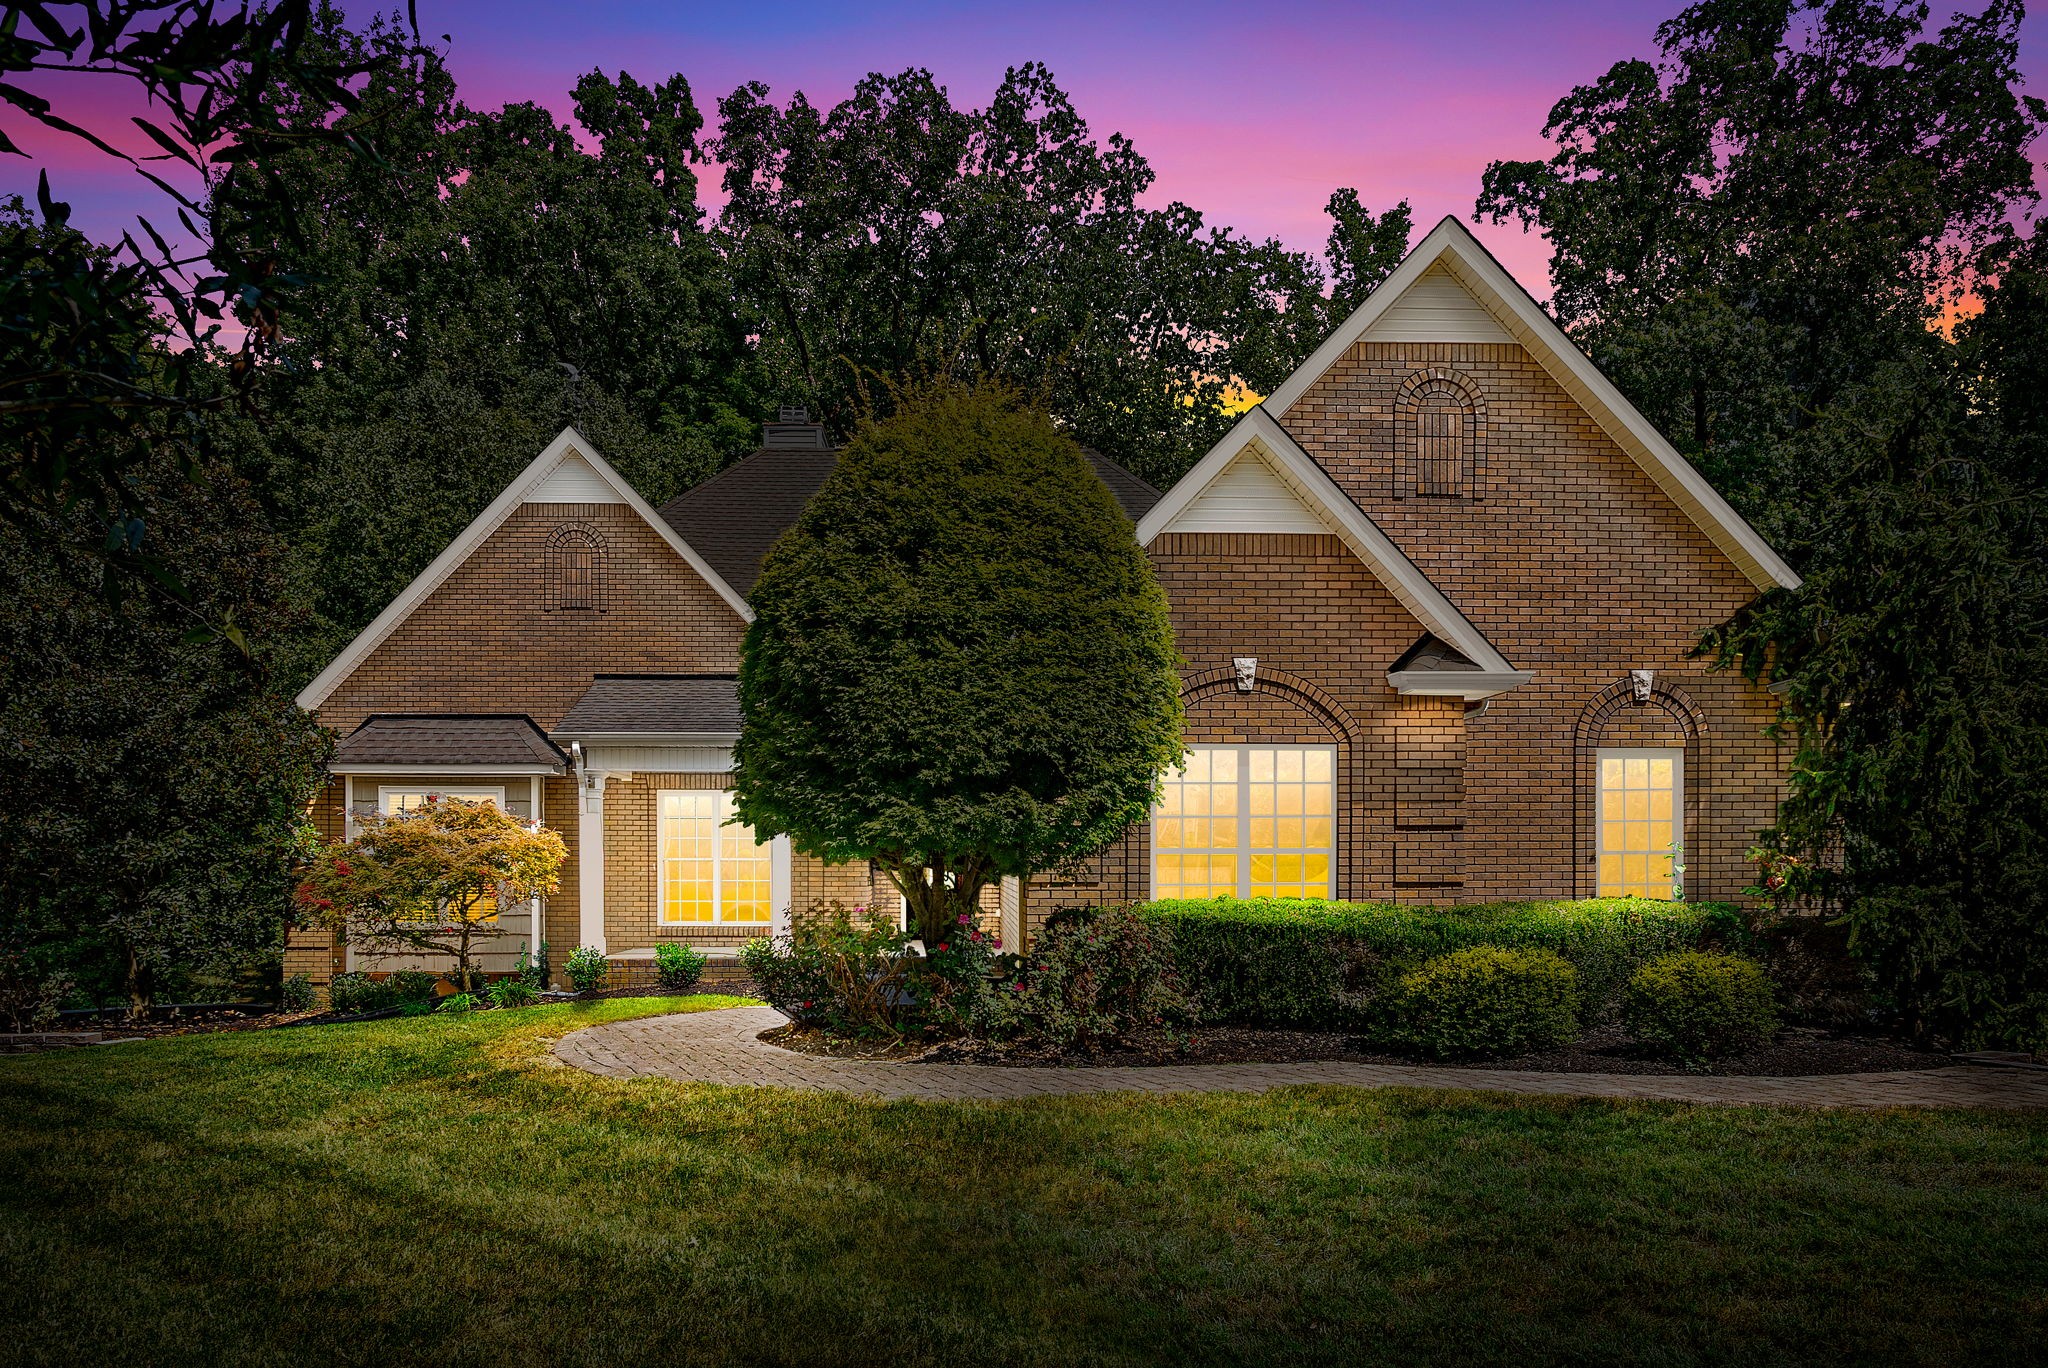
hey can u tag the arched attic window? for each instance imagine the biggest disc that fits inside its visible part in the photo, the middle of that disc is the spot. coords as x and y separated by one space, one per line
576 569
1443 423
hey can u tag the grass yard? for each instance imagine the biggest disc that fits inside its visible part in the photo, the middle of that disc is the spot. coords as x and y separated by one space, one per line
439 1190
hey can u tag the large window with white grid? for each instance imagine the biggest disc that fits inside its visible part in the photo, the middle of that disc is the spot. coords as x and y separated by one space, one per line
1248 821
1641 815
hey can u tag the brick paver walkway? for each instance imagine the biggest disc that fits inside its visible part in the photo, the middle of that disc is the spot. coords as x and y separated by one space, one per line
721 1047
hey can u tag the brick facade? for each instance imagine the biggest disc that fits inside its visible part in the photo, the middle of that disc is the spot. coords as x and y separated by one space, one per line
1563 553
1556 546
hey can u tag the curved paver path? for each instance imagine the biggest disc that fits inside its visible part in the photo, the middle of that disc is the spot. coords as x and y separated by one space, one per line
721 1047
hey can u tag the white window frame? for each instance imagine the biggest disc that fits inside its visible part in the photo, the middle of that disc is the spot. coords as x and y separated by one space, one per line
1244 815
1676 755
470 792
777 878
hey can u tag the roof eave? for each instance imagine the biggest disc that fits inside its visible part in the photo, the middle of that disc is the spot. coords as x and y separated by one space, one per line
1470 685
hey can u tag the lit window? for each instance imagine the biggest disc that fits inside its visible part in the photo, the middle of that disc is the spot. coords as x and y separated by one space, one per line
1642 799
710 871
393 801
1248 821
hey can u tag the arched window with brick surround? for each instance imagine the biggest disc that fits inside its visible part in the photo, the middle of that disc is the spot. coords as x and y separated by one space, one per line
576 569
1440 422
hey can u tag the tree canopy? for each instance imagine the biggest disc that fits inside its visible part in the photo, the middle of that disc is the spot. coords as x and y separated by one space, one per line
1761 238
1784 201
960 666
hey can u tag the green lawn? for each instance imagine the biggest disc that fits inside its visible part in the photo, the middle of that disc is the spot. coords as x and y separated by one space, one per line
439 1190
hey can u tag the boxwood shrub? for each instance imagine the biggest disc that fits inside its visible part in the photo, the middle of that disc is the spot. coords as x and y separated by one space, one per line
1485 1001
1309 962
1697 1006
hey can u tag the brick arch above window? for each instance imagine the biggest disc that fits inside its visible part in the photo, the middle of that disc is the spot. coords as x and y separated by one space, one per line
1614 716
578 573
1440 436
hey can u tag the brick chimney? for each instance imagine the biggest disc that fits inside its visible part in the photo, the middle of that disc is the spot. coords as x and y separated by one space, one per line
793 430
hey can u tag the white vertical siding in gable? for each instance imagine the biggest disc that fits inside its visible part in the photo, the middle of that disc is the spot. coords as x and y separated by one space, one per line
1248 497
573 481
1436 308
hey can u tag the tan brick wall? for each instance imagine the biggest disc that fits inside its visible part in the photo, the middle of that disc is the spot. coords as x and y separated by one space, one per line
1570 561
484 641
632 894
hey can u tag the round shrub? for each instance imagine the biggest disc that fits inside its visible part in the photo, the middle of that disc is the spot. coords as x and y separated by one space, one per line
588 968
1488 1000
678 966
357 992
1699 1005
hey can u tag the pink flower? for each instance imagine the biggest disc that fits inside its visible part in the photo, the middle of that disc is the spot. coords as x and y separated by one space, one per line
964 919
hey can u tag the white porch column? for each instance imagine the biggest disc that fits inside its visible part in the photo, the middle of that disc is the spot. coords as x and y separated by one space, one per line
590 862
779 859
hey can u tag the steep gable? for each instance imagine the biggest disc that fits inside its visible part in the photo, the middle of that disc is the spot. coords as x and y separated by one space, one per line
1418 302
474 623
1259 480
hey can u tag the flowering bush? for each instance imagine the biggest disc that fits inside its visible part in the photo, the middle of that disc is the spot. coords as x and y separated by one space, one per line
1094 977
856 972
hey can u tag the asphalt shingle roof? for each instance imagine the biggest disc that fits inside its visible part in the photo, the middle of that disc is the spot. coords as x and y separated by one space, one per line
432 740
615 705
734 518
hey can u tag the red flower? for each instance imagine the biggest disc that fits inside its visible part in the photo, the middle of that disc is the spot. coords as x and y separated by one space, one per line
344 869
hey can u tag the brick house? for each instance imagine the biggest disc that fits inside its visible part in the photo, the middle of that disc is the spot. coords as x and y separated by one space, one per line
1436 595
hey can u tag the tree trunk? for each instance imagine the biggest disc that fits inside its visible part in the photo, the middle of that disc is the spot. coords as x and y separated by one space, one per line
138 982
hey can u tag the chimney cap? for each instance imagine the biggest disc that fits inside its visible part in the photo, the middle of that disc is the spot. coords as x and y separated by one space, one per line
793 430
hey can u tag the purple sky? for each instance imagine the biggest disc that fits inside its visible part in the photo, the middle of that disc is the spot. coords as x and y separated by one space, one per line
1251 114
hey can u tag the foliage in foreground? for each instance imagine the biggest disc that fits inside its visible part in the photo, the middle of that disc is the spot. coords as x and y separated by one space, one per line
855 972
432 880
242 1198
1095 976
1307 962
960 665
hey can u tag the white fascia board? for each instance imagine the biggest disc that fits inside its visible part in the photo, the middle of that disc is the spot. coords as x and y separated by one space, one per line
479 530
1317 491
647 738
1502 295
444 771
1470 685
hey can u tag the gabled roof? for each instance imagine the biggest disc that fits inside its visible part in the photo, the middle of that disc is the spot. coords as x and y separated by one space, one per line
1450 249
1132 494
736 516
1257 431
584 471
500 743
644 706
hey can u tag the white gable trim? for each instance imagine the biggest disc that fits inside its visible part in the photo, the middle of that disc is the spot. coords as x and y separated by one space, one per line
1471 265
568 447
1248 495
1257 431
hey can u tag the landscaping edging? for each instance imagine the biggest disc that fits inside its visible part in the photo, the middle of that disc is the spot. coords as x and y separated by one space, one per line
721 1047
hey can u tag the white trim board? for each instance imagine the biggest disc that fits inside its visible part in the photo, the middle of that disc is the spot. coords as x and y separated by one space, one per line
567 448
1258 433
1450 249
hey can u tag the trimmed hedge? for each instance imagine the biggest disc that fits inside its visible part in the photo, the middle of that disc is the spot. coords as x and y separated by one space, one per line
1308 962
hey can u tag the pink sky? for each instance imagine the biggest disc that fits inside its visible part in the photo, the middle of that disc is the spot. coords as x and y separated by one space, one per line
1250 114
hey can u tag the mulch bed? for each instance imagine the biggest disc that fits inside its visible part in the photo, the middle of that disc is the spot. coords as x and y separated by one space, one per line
1798 1051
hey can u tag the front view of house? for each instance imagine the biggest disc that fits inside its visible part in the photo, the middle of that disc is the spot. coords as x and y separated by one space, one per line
1436 595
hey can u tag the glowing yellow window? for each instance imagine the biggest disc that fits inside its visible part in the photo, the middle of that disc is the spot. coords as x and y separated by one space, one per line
1247 821
1641 810
710 872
